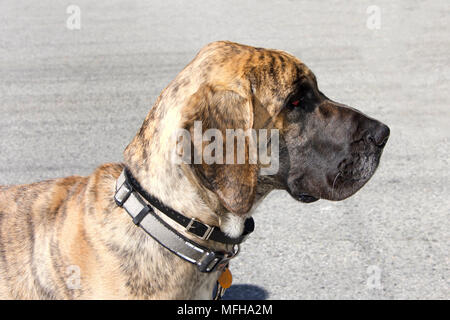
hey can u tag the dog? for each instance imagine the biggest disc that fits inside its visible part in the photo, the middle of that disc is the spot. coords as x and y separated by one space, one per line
71 238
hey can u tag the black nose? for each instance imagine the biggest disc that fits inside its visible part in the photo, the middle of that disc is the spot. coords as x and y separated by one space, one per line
378 135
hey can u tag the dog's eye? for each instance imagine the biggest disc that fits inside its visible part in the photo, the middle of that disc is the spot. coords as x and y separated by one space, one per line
296 101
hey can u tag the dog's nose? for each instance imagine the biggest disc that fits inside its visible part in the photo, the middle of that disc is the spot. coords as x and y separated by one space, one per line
378 135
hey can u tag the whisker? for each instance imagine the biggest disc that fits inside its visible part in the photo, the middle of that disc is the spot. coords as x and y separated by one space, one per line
334 182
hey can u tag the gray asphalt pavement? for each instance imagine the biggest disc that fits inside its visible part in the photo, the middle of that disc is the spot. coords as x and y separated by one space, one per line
73 99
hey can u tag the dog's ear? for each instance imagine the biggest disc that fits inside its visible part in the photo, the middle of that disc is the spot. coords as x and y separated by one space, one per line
232 176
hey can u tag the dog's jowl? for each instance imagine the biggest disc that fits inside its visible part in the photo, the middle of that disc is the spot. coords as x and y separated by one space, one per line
153 228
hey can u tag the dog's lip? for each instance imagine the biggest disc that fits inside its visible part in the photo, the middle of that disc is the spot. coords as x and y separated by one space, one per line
306 198
303 197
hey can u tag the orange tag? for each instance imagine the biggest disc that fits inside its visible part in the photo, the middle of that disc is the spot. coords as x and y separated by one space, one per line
225 279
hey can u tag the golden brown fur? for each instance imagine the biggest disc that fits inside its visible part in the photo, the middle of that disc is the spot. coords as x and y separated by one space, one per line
46 228
67 239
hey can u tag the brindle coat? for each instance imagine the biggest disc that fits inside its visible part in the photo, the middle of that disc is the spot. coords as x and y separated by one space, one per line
54 233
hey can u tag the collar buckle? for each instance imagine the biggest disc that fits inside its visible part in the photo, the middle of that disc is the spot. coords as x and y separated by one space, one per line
206 234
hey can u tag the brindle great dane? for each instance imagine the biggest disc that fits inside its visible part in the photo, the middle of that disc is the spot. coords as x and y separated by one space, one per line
53 231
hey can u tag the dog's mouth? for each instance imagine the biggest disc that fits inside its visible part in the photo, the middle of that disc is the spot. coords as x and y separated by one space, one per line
298 193
306 198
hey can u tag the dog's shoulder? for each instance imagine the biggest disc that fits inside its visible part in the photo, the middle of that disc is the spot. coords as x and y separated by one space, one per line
43 197
47 197
100 186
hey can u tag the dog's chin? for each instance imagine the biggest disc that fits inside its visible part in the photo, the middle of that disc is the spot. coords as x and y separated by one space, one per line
232 225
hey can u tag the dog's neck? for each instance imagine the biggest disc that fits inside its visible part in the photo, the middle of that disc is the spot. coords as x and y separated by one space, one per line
148 157
172 186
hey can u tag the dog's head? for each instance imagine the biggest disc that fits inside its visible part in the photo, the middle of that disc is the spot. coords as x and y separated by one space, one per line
326 150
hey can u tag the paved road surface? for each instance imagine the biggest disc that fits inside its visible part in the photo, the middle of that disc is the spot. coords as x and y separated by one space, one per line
71 100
